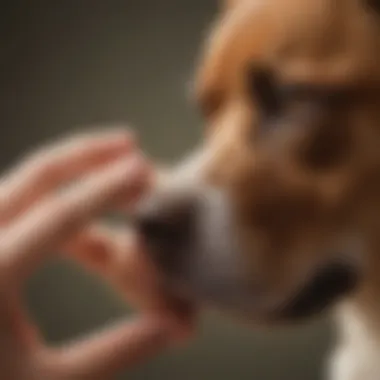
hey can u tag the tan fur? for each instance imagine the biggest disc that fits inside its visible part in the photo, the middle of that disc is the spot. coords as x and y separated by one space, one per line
279 195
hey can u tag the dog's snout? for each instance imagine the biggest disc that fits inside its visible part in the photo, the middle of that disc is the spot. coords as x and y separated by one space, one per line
160 226
152 227
165 222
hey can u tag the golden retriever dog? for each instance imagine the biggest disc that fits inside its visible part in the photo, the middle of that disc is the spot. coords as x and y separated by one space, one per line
276 217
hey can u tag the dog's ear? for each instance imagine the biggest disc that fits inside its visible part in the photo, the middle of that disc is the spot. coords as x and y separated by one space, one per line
373 5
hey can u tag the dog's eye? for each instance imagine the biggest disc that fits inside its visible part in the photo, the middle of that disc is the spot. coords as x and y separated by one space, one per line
264 91
322 96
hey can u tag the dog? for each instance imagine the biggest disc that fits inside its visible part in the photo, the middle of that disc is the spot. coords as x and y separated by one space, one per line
275 217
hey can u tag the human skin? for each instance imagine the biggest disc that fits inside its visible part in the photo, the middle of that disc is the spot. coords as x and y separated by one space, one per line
105 171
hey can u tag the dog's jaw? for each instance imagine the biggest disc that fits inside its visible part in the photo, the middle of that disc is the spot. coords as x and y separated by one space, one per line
211 267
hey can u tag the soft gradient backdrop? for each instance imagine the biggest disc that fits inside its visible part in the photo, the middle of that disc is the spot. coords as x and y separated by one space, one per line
67 65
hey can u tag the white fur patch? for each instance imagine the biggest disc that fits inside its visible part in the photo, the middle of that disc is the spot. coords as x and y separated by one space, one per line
357 357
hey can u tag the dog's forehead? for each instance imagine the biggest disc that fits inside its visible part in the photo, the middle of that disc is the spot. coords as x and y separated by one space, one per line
320 40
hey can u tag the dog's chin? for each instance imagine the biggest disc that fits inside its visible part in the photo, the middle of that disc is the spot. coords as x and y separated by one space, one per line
206 266
224 287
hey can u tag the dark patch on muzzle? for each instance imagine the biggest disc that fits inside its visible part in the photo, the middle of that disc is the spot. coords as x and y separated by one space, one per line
327 287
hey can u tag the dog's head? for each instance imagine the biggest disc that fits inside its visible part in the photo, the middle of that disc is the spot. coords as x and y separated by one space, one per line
271 216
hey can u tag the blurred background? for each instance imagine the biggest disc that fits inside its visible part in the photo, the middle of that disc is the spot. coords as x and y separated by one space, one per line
69 65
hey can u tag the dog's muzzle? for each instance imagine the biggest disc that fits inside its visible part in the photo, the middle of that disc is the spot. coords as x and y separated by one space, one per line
190 233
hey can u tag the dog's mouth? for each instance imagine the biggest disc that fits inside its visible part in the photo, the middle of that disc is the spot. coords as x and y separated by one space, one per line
329 285
170 297
199 258
321 290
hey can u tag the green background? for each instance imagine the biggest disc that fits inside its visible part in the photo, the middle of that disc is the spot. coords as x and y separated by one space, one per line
67 65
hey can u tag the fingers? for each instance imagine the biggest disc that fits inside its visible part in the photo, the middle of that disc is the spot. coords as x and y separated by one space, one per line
115 253
96 248
57 164
27 241
105 249
106 353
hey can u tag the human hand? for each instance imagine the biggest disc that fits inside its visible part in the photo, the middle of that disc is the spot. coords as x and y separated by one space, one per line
37 216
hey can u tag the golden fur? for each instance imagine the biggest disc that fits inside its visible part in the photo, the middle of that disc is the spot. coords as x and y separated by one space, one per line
282 186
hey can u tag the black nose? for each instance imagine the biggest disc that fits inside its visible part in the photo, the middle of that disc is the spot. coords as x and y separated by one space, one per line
160 229
153 227
165 223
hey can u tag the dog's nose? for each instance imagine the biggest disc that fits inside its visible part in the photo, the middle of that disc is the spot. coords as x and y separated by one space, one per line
153 227
165 223
156 228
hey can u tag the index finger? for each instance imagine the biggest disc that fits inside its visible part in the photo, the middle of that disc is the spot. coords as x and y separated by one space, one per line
116 254
56 164
48 225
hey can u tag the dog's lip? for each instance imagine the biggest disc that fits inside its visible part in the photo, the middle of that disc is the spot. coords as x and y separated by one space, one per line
183 310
